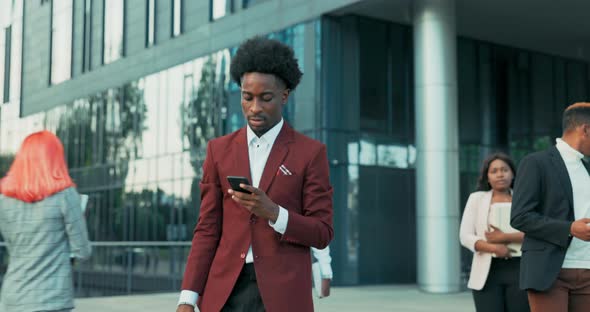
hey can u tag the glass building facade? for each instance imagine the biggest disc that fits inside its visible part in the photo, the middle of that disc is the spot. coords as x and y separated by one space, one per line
137 149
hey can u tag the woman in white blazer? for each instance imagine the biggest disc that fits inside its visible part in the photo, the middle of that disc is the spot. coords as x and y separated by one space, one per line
485 230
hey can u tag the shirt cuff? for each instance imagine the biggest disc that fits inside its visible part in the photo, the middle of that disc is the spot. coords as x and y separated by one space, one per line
281 224
326 270
188 297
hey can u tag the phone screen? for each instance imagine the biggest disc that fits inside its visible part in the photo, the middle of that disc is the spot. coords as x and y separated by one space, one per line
235 181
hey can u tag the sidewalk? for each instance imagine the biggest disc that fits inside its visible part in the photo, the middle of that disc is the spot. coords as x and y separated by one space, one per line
343 299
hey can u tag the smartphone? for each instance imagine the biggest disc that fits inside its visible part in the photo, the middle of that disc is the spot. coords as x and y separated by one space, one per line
235 181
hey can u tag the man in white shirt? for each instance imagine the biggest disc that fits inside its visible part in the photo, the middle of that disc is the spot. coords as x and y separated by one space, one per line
551 205
251 250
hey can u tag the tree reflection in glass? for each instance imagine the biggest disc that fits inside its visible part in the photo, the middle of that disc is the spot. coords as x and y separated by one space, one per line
203 117
101 134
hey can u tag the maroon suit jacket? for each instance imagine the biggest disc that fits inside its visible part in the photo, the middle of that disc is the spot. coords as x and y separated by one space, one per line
225 230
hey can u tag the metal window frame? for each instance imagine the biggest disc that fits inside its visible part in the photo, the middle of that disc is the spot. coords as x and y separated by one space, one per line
72 40
229 9
7 54
87 37
50 43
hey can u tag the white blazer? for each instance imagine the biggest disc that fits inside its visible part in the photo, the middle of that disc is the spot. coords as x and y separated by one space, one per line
473 227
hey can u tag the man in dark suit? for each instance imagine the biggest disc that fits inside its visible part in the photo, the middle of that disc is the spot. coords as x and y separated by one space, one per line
251 252
551 205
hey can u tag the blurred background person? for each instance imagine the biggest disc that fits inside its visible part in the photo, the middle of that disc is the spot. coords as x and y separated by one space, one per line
42 224
485 230
322 271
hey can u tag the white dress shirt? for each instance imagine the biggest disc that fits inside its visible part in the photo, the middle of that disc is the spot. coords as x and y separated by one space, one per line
578 253
258 151
324 259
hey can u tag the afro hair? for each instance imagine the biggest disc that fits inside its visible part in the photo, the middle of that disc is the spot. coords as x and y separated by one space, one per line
266 56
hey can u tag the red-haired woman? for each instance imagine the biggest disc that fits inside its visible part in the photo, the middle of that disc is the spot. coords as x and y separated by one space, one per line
42 224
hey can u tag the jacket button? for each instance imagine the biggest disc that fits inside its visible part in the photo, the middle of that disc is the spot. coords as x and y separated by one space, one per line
243 255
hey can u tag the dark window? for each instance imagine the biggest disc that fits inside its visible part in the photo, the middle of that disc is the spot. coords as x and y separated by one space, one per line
87 48
250 3
7 45
374 80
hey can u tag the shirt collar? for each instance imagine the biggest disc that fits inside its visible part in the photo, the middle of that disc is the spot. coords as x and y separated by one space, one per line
567 152
270 136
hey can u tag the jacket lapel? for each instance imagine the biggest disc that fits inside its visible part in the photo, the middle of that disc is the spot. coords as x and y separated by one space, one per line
241 159
562 175
486 203
586 165
278 153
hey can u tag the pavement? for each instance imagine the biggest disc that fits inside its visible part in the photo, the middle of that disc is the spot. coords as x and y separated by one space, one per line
402 298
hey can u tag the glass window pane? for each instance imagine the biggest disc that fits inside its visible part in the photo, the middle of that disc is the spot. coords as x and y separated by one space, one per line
4 26
61 41
219 8
151 21
177 18
6 63
15 54
374 78
577 77
113 30
87 52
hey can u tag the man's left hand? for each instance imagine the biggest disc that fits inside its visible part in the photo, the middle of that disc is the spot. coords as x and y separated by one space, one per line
326 287
257 202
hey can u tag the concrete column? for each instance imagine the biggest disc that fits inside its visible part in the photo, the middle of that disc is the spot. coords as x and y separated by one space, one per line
437 164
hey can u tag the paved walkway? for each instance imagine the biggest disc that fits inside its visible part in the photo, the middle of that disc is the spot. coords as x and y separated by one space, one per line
343 299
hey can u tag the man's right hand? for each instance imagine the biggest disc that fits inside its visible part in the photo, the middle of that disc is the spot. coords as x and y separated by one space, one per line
502 251
186 308
580 229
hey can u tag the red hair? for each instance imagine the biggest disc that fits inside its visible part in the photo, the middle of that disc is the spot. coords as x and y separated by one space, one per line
38 170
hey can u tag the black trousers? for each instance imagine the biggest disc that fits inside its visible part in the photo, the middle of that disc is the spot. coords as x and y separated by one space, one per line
245 296
501 292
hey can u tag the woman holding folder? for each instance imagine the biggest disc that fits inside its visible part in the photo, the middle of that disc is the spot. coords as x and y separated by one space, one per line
485 230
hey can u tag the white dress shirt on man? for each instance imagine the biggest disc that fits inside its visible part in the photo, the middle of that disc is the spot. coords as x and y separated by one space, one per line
578 253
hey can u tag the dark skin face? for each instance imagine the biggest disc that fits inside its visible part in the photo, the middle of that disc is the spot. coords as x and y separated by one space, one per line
263 99
500 175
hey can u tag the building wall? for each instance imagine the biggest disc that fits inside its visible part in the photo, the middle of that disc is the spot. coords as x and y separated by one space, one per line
137 150
201 36
510 100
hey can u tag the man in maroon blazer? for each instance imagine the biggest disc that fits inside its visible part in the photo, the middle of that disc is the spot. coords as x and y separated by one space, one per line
250 252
